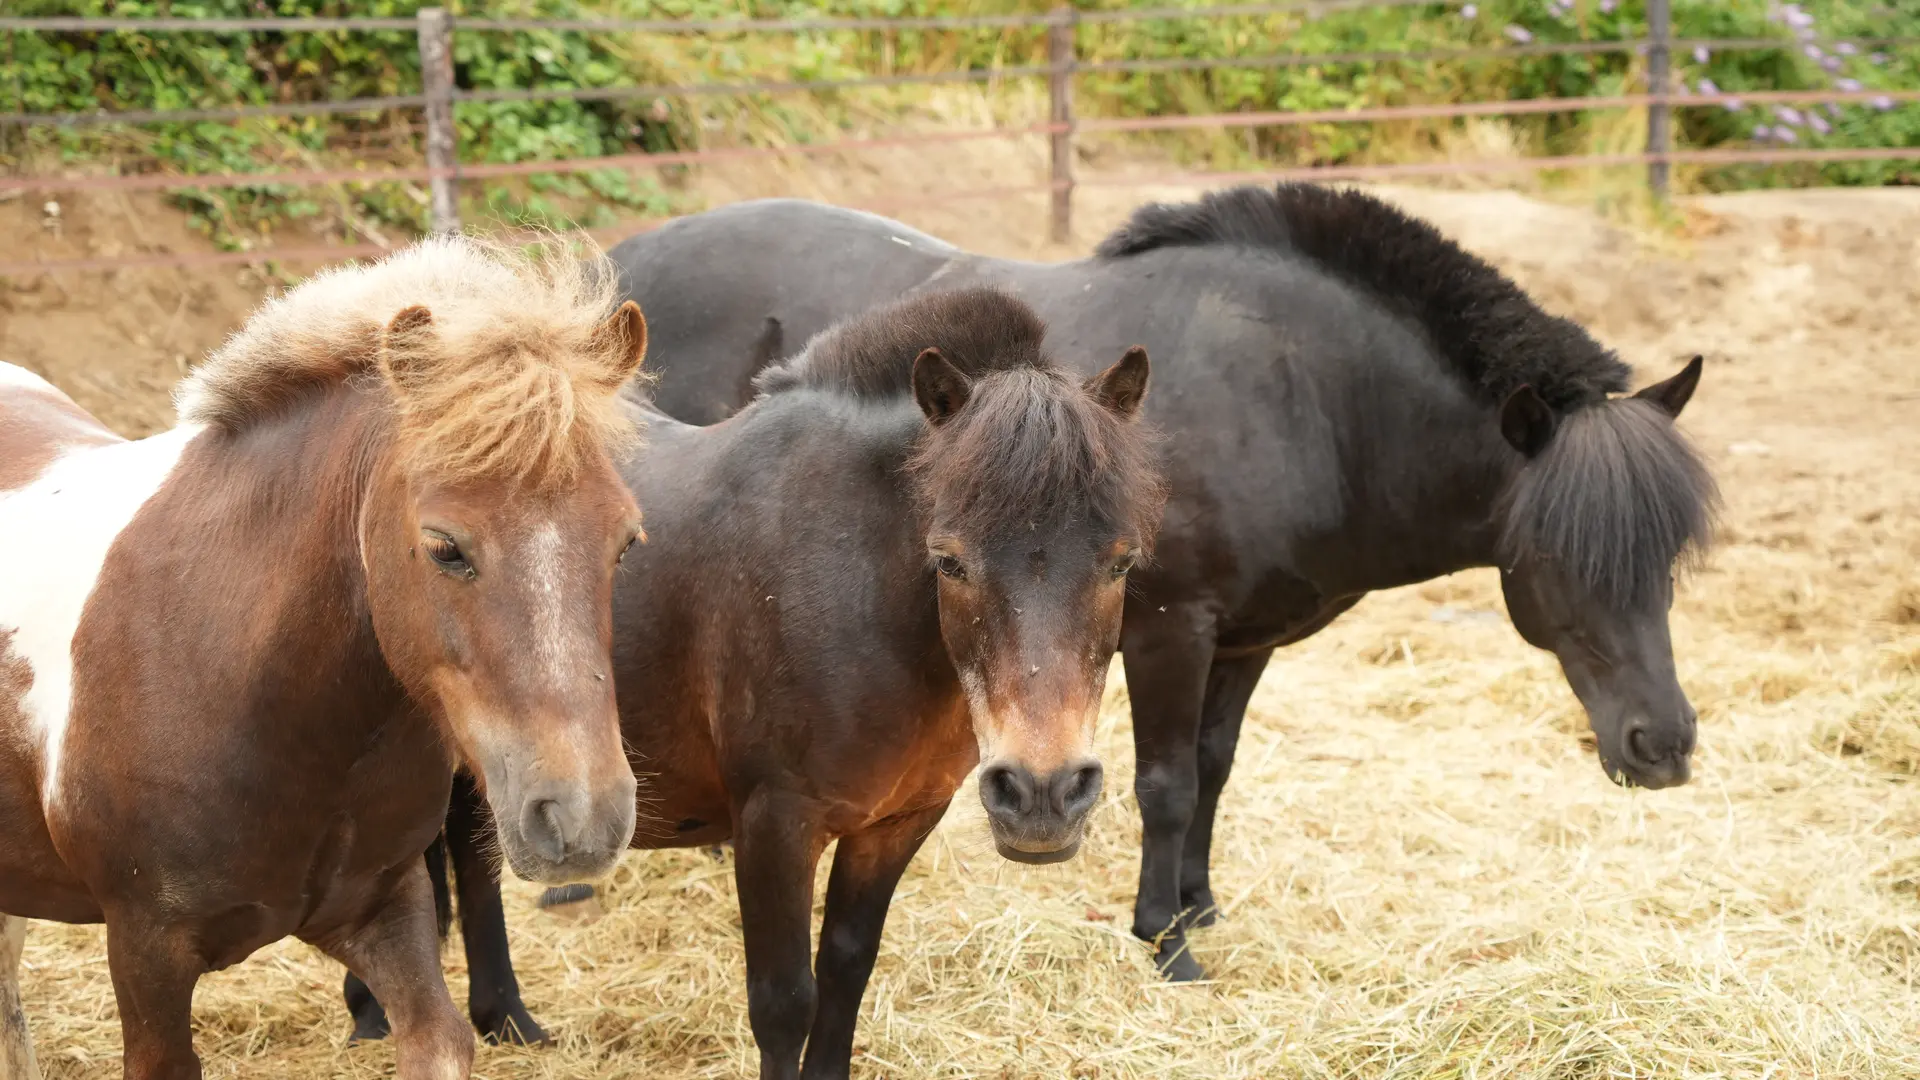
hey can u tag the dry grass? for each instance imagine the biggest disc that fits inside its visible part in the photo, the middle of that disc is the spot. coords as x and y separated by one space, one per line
1423 870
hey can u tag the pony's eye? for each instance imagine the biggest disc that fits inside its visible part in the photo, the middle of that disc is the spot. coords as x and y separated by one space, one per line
950 567
632 540
446 554
1124 563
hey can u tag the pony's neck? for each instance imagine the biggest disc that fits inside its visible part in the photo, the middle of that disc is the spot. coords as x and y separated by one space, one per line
1423 497
295 487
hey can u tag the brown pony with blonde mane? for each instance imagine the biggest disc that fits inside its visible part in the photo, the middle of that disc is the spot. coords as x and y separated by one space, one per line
241 660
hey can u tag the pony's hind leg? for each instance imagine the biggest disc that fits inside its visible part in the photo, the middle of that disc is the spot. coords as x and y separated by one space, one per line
1168 658
397 952
866 869
1229 688
16 1042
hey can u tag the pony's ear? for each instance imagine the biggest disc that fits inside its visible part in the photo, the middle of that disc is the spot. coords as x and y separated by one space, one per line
406 336
772 343
1122 387
624 338
1673 394
1527 421
939 387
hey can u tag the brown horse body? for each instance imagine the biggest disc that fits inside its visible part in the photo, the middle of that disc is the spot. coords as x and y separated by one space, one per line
240 660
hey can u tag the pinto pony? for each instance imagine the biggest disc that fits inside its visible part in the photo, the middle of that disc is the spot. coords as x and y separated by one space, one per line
240 660
909 556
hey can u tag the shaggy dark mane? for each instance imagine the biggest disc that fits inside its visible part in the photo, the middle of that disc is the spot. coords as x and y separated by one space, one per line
1488 329
1616 498
1031 446
978 330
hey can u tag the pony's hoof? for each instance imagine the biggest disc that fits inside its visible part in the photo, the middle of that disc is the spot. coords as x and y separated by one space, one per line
562 895
513 1026
370 1028
1177 964
1200 910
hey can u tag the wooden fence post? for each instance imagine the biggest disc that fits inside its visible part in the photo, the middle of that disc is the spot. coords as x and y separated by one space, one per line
1061 61
435 28
1659 85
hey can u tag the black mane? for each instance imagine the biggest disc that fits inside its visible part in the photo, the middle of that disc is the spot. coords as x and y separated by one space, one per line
1486 326
979 330
1032 444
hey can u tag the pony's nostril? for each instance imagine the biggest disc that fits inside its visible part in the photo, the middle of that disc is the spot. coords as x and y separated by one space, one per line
1007 791
1081 789
1637 745
540 824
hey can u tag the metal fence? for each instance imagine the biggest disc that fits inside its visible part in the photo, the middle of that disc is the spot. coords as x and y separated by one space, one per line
444 171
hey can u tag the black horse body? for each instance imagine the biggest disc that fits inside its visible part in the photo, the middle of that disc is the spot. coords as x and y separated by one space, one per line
1342 390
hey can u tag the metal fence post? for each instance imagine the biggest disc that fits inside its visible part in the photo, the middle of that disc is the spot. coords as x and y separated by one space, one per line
1659 85
435 28
1061 61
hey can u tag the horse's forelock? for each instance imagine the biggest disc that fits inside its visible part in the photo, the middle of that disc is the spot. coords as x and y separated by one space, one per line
1030 446
1617 498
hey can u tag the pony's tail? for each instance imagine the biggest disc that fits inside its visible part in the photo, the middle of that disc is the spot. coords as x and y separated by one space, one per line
442 894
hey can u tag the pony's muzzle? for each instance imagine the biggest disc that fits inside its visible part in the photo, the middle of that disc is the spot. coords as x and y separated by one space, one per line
1654 755
1039 818
564 832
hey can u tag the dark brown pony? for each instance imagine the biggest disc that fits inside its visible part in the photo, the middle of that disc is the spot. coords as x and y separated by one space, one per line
240 661
908 556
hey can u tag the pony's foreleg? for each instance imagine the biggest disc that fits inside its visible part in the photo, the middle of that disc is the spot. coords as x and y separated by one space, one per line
776 844
866 868
1229 688
154 964
16 1042
493 993
397 952
1167 658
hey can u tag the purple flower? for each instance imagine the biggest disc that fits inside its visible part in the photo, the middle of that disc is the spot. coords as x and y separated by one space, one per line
1833 110
1830 63
1607 6
1707 86
1761 132
1849 85
1520 34
1878 58
1798 19
1468 11
1818 123
1846 48
1883 103
1788 115
1785 134
1701 55
1813 52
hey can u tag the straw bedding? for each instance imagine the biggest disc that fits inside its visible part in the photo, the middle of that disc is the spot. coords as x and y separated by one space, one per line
1423 870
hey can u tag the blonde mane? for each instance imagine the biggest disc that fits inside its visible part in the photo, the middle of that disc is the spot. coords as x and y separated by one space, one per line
513 370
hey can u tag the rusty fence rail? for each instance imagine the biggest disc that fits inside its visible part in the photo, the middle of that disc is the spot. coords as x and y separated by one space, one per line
444 171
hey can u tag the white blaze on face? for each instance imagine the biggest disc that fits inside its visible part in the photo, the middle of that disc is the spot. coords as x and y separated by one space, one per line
54 538
545 555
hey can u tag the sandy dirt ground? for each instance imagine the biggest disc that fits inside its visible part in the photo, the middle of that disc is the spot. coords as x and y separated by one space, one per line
1424 873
